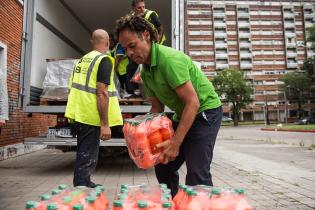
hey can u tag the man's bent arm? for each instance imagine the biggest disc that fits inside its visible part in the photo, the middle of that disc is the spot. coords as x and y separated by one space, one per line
102 102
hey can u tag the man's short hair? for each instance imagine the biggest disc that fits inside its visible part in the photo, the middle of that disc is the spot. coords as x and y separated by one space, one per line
135 2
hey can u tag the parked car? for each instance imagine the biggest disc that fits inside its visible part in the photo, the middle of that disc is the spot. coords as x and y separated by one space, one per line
226 119
306 121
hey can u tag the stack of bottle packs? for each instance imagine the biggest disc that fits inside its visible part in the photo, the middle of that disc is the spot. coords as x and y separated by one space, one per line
143 133
143 197
207 198
69 198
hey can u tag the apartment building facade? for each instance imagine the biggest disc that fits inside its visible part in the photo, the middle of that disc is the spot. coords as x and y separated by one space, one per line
266 39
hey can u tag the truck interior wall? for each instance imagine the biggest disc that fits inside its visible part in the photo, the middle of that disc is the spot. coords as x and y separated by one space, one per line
46 44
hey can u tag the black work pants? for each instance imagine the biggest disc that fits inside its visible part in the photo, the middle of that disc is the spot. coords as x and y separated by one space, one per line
196 150
88 141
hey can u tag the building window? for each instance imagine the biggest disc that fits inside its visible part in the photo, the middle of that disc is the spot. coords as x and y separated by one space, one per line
3 83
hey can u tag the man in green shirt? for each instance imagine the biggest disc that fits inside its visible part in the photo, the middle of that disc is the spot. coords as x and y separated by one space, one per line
172 79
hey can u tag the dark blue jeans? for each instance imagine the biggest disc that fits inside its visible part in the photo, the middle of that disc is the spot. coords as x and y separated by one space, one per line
88 138
196 150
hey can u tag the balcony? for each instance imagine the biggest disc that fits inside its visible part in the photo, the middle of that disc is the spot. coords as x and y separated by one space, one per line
245 45
221 45
218 15
291 45
249 76
308 7
220 35
246 65
246 55
309 16
244 25
307 25
222 66
200 43
221 56
219 25
290 34
243 15
289 25
244 35
218 6
200 22
288 15
201 53
291 54
310 54
292 65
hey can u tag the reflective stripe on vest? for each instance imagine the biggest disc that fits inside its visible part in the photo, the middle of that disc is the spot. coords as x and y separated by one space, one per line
91 90
88 89
82 101
147 15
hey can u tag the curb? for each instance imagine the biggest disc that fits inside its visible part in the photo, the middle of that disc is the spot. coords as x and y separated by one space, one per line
280 129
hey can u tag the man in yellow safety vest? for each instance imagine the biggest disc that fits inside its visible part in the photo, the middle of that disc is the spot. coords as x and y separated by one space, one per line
92 105
138 7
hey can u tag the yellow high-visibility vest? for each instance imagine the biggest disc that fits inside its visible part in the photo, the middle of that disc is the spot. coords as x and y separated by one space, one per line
122 66
147 15
82 99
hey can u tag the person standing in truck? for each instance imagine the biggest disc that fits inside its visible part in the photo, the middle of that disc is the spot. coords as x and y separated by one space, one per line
92 105
171 78
138 8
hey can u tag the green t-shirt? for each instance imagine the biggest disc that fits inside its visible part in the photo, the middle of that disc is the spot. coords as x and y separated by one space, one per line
171 68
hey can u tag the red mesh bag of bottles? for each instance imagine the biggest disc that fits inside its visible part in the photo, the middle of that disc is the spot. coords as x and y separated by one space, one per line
143 197
203 197
143 133
71 198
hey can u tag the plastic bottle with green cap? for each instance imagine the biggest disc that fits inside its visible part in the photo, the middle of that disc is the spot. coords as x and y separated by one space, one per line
31 205
121 196
55 192
239 190
77 207
118 205
180 195
100 188
52 206
192 200
142 204
215 193
90 200
45 197
123 186
163 186
100 201
66 200
62 186
124 191
167 205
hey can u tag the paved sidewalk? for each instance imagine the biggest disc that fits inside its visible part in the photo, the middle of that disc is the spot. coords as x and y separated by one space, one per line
269 179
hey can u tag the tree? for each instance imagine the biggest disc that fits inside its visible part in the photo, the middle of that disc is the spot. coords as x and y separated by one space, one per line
297 86
233 88
309 64
311 35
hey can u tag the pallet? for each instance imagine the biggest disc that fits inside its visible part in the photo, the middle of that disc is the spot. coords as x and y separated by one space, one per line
131 101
